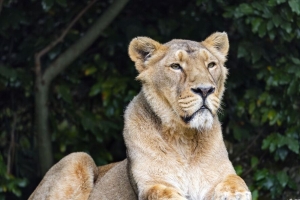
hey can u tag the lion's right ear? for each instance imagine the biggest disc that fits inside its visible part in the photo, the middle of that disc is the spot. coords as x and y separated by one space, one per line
218 41
140 49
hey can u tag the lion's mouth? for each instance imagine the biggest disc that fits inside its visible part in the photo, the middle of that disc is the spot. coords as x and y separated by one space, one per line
187 119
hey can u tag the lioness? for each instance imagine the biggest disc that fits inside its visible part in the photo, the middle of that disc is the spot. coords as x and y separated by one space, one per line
175 148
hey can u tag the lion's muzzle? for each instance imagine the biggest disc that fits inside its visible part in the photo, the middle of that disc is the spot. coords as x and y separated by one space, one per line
187 119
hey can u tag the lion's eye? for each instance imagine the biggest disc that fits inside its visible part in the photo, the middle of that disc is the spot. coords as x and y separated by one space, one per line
211 65
176 66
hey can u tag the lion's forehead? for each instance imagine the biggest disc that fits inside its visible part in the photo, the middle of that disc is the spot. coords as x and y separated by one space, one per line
186 45
190 50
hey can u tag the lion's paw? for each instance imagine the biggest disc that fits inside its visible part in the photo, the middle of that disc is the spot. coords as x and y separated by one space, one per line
246 195
232 188
162 192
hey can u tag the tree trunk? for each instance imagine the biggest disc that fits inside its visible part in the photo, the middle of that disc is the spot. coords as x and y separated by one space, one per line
42 127
43 80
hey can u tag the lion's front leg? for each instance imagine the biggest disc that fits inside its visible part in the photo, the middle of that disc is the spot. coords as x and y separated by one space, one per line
161 192
232 187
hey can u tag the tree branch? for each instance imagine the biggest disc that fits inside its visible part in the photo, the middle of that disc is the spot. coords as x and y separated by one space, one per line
85 41
58 40
244 174
248 147
11 150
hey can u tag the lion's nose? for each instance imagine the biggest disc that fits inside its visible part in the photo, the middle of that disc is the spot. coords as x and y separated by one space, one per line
204 91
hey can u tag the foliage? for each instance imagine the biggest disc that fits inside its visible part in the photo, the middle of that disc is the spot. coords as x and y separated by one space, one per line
9 183
261 104
269 106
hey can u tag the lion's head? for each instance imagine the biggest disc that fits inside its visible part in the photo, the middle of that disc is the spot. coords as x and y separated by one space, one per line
182 80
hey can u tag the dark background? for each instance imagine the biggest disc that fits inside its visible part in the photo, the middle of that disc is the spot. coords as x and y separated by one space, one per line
87 98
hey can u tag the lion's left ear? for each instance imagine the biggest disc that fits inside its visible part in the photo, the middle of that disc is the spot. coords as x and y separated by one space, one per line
219 41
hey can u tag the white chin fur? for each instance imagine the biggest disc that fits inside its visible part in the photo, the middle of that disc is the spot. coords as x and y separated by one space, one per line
202 120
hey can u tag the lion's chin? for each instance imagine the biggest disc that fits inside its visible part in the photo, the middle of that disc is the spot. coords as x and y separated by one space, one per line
202 120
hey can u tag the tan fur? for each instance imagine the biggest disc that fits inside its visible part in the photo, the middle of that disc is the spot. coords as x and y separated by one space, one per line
175 146
104 169
72 178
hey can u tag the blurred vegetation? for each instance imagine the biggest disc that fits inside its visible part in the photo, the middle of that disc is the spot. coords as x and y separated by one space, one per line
86 101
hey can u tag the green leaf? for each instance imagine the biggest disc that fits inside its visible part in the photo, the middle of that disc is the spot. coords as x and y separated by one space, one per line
62 3
88 120
295 6
283 178
47 4
293 145
272 147
255 195
261 174
270 25
65 93
246 8
286 26
266 143
282 153
296 60
271 114
8 72
63 125
22 182
255 24
254 161
252 107
262 29
280 1
16 192
62 147
255 55
271 142
272 34
90 70
268 182
275 2
238 169
292 184
271 2
276 20
293 87
96 89
242 51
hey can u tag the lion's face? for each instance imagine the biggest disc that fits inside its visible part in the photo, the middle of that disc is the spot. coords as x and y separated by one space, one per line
183 79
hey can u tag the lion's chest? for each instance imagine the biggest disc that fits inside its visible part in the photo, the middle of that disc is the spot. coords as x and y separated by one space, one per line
193 174
192 181
198 183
